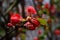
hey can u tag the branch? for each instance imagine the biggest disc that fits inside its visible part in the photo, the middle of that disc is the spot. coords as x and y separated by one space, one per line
11 7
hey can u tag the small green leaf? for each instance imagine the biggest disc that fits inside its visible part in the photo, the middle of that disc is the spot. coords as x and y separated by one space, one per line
40 12
42 21
23 36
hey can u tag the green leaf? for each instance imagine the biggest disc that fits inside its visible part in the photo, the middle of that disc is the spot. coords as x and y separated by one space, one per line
2 32
40 12
41 37
23 36
42 21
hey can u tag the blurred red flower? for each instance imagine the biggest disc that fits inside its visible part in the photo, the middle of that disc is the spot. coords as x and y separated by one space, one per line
15 18
57 32
36 38
9 24
47 5
31 10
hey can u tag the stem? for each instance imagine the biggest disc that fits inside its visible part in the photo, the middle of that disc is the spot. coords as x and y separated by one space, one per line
11 7
45 28
35 7
23 8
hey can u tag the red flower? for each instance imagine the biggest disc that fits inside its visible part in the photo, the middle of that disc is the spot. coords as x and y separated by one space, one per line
33 21
29 26
9 24
39 31
52 8
15 18
31 10
57 32
36 38
47 6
